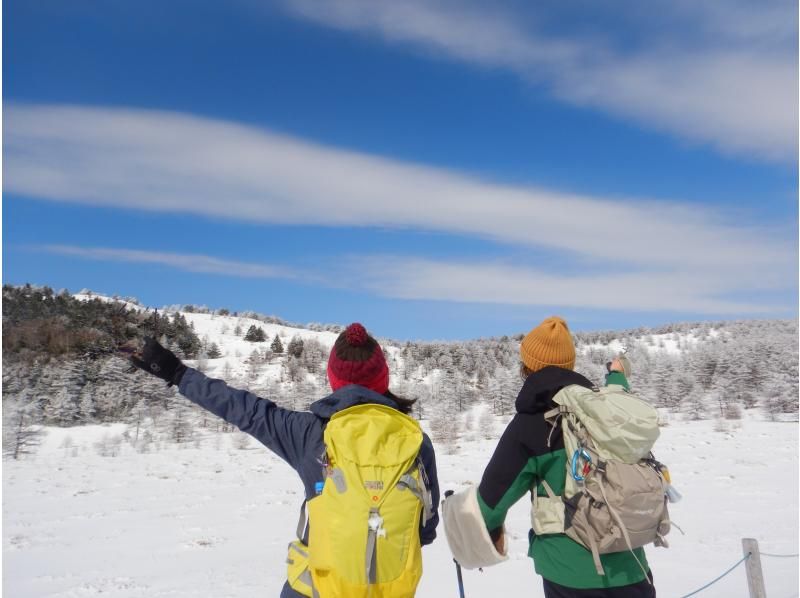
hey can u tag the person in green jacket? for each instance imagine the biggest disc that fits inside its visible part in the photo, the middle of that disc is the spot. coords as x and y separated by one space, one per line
529 452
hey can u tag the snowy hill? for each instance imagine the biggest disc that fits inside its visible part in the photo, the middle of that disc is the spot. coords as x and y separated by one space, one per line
139 493
697 371
235 350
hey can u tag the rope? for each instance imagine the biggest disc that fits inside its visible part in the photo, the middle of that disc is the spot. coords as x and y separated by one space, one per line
779 556
711 583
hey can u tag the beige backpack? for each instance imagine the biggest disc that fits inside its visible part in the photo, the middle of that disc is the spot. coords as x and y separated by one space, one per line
615 492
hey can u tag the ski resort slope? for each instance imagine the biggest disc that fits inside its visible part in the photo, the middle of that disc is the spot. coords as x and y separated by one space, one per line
209 519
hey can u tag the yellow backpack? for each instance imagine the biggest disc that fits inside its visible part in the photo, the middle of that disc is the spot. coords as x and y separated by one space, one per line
364 525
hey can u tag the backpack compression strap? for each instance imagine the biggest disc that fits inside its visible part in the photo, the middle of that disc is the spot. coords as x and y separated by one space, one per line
601 470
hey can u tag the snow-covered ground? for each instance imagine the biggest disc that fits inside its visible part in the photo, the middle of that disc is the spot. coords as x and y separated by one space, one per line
211 520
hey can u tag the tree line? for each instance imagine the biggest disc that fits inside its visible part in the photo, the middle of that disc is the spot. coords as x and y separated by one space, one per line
60 368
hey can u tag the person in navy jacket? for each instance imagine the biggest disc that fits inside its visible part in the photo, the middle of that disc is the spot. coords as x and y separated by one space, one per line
358 374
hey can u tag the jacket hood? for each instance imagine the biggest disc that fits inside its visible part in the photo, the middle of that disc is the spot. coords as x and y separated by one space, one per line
536 395
348 396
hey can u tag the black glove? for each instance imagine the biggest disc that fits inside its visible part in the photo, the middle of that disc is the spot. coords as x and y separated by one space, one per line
155 359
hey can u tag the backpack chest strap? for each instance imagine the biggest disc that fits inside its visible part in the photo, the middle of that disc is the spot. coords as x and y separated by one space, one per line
553 413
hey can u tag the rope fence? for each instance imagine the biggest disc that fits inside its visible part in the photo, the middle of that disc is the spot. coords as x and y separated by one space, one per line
711 583
754 590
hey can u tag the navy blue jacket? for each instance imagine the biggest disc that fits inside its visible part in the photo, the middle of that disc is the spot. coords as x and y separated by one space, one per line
296 436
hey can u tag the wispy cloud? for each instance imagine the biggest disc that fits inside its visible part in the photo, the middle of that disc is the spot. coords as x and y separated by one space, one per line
641 291
188 262
401 277
723 73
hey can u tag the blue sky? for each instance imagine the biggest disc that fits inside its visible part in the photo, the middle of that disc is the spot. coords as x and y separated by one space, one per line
434 169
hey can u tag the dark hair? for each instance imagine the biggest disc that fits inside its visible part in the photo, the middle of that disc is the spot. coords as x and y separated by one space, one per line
524 370
403 405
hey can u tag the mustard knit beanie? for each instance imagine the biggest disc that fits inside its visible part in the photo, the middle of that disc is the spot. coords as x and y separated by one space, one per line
550 343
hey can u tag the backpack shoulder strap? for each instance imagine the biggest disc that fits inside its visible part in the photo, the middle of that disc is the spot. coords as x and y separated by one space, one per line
419 489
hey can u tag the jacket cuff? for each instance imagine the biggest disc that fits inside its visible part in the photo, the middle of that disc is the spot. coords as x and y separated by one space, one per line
184 380
619 378
466 532
178 375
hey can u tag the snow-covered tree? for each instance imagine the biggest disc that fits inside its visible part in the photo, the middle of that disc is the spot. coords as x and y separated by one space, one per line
21 435
445 429
295 347
486 425
255 334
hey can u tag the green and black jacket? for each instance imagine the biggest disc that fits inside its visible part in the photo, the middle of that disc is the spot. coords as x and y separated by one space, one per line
522 460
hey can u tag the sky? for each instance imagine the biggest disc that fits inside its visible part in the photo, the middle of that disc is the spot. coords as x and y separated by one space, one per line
433 169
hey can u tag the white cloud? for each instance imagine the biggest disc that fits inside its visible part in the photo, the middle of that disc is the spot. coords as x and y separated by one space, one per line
676 291
723 73
400 277
172 162
169 162
188 262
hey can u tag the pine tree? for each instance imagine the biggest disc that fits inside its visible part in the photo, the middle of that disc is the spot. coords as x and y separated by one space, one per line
276 346
295 347
62 408
254 365
86 407
503 389
255 334
314 355
294 370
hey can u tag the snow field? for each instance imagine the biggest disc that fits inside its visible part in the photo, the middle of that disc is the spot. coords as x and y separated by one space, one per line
208 520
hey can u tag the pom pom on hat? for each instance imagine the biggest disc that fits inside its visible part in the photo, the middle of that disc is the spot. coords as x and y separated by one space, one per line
357 358
356 335
550 343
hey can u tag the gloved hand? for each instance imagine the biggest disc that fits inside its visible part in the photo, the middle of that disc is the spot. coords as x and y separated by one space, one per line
620 364
155 359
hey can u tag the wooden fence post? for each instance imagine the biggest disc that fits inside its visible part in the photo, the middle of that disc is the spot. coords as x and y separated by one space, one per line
755 578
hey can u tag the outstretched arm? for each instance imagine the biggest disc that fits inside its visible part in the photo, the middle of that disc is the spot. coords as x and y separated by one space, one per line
285 432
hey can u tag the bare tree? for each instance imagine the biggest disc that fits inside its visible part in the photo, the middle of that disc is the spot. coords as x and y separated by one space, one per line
486 424
20 435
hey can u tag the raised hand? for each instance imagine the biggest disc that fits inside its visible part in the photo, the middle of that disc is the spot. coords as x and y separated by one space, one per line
158 361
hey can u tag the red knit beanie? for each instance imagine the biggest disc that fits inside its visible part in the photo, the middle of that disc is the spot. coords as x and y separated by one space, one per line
357 358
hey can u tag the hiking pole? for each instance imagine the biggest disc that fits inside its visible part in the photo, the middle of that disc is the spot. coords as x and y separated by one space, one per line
460 580
447 494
